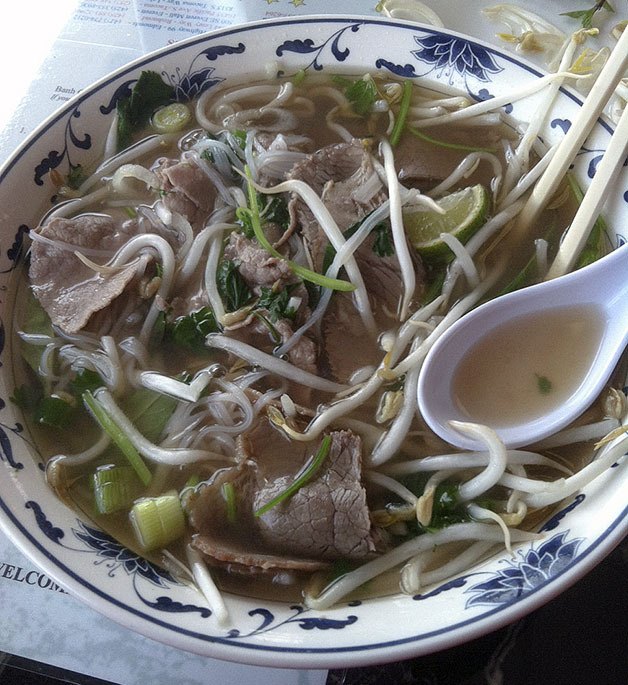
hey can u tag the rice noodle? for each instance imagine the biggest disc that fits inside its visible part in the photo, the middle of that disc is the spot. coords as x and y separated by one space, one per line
174 456
271 363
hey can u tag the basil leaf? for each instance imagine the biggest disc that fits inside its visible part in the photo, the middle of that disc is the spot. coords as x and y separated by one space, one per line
134 111
149 411
190 331
232 287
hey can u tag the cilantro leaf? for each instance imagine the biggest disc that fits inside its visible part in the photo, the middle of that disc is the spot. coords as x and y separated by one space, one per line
362 93
276 303
134 111
190 331
383 245
586 16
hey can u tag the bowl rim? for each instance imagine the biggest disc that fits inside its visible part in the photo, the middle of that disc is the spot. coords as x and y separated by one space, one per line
298 657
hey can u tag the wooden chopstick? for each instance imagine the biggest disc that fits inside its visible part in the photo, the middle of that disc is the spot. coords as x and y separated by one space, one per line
591 109
595 196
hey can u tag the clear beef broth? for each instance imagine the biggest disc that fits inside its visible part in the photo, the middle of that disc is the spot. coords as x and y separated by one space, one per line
339 349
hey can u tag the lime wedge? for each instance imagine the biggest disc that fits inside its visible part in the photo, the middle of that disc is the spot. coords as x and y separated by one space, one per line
465 213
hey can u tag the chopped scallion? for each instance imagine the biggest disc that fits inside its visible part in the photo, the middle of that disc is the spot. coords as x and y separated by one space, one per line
118 436
404 108
228 493
157 521
115 488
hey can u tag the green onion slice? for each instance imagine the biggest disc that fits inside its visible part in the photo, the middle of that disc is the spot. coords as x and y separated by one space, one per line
307 473
158 521
404 108
228 492
118 436
115 488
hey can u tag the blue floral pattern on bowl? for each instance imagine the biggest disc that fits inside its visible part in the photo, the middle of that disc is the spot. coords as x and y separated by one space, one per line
125 586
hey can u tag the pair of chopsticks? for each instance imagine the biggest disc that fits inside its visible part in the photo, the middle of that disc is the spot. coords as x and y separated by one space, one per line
615 155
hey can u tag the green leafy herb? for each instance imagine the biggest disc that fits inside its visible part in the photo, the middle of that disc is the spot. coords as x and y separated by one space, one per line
232 287
134 111
272 209
307 473
529 274
149 411
447 508
275 210
362 93
598 242
301 271
245 221
85 379
27 397
190 331
435 279
585 17
36 321
276 303
55 412
383 246
402 115
544 384
240 138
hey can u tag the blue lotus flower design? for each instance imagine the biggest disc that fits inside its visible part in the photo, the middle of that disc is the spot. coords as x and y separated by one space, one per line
526 573
447 54
118 556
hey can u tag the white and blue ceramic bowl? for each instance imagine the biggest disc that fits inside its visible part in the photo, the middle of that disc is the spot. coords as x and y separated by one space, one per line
116 582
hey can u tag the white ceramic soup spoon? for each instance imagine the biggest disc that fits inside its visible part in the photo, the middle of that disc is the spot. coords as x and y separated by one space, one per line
530 362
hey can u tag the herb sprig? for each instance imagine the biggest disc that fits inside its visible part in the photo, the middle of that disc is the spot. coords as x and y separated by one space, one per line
586 16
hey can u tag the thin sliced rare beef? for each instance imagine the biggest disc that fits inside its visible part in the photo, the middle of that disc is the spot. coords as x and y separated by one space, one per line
68 290
326 519
188 190
343 175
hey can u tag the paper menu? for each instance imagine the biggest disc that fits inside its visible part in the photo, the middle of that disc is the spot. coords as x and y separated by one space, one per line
40 621
94 37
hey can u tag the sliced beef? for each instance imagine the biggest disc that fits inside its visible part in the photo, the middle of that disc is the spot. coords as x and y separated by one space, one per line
257 266
346 343
257 333
423 165
343 175
187 189
229 543
325 519
69 291
328 517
